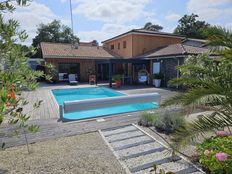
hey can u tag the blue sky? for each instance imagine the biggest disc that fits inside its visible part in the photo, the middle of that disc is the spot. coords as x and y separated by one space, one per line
102 19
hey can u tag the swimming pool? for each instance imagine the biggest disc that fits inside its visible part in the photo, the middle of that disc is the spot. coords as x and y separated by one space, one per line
62 95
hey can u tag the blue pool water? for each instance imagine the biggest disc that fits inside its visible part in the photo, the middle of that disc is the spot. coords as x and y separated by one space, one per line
62 95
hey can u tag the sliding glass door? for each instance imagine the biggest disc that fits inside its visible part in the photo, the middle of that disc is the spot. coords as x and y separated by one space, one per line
69 68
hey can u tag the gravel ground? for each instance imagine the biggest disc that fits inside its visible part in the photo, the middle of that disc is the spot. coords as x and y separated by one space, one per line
129 141
82 154
147 159
124 135
127 128
138 149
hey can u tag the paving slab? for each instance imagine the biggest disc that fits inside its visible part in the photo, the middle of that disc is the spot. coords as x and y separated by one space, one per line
138 151
124 135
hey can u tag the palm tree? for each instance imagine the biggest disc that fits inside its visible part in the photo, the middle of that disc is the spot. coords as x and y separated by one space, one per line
221 39
208 86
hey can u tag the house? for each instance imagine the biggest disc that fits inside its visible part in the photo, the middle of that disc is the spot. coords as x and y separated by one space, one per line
125 54
164 60
77 59
195 42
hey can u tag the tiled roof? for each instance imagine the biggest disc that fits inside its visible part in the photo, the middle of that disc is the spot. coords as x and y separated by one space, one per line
63 50
155 32
197 40
175 50
142 31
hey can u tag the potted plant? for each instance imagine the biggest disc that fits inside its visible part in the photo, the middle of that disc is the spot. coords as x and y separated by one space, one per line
91 71
117 80
52 74
157 79
92 76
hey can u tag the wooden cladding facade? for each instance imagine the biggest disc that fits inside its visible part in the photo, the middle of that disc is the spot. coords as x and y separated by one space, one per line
85 64
125 48
146 43
139 44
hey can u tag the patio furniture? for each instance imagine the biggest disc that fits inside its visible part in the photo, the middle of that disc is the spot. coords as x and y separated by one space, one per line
72 79
63 76
143 76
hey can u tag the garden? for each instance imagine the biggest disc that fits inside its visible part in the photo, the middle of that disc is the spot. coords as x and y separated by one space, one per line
207 84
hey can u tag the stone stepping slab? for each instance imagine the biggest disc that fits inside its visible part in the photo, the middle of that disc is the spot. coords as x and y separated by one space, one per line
137 151
120 136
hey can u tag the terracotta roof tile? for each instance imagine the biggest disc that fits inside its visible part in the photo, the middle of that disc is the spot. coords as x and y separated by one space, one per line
176 49
63 50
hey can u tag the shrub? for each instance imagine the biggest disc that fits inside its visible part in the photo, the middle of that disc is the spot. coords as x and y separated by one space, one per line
116 77
157 76
169 122
147 119
52 73
215 154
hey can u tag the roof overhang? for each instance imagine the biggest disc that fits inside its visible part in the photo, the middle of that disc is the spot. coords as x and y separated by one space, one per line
176 56
165 57
142 33
75 57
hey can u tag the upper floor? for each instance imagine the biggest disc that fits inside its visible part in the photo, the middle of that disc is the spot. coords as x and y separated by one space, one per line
138 42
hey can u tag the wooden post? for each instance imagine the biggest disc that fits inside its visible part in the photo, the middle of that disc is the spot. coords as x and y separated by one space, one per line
110 74
96 72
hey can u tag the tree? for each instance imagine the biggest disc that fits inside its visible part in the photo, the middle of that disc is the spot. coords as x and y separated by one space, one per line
209 86
15 74
152 27
54 32
190 27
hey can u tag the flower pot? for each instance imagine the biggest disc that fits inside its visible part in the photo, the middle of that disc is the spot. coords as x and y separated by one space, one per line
92 79
118 83
157 82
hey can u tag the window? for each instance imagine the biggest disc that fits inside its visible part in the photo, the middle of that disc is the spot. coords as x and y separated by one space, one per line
156 67
124 44
70 68
119 46
112 47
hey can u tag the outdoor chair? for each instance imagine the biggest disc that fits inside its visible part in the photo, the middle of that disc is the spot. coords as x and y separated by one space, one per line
143 76
72 79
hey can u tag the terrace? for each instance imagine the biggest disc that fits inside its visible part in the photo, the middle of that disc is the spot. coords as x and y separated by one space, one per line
109 127
53 132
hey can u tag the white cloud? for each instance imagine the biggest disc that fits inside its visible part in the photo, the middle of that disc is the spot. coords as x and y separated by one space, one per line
208 9
228 11
173 17
106 32
31 16
229 26
113 11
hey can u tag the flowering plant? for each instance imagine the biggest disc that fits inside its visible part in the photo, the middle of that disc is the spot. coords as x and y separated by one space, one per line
221 133
215 153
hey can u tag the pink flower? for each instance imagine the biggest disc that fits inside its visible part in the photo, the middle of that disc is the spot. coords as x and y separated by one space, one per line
221 156
221 133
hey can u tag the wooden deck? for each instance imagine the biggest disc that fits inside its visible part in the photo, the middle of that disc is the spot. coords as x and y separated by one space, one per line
49 107
47 116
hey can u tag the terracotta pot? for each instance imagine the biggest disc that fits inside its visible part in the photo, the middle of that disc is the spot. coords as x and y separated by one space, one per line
118 83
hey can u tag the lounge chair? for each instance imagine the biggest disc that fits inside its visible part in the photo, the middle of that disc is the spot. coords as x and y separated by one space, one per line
72 79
